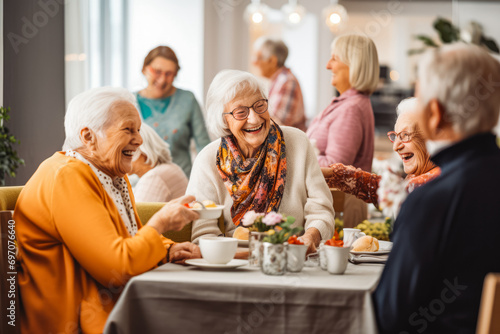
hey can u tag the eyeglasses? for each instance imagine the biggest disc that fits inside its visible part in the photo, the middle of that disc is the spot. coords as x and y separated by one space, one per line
242 113
404 136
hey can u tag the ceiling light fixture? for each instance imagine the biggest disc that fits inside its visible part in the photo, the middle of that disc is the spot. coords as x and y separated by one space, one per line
294 13
256 13
335 16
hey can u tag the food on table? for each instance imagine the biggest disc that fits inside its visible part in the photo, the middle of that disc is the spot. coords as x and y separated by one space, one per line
379 230
241 233
207 203
293 240
335 241
365 244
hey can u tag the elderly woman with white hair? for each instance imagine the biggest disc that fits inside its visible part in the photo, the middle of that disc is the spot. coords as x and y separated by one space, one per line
446 234
80 238
344 132
256 164
161 180
408 143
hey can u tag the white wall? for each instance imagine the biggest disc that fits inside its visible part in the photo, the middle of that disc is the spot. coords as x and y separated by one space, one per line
178 24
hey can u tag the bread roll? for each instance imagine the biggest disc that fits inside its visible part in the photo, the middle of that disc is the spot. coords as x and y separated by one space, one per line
365 244
241 233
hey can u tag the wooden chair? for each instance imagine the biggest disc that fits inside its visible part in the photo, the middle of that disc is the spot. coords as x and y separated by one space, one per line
488 321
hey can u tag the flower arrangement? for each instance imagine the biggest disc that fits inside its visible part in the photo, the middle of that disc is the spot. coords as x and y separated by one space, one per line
277 226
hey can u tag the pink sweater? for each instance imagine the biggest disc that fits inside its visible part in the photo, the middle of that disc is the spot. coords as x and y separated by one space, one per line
344 131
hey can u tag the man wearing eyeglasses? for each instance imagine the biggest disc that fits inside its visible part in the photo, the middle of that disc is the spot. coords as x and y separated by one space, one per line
286 104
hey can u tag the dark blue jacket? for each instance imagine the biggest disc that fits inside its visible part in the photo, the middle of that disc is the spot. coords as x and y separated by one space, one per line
446 239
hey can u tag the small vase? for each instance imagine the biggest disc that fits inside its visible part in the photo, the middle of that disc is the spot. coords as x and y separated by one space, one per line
273 258
254 242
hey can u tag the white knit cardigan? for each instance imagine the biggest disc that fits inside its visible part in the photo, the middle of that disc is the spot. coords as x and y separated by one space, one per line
306 197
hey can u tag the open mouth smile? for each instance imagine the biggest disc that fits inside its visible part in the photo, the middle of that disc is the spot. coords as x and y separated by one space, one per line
406 156
254 130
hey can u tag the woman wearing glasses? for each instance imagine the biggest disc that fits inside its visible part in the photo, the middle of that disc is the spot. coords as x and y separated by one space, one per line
256 164
172 112
410 146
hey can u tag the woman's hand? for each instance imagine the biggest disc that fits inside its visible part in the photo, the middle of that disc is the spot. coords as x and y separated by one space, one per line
312 238
180 252
174 215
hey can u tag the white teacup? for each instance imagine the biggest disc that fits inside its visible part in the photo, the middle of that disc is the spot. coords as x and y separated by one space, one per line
295 258
218 250
336 259
351 234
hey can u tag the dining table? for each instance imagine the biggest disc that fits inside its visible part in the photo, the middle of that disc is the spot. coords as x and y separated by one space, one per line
176 298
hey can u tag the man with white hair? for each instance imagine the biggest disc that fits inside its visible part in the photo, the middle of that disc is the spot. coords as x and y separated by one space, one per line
446 235
286 104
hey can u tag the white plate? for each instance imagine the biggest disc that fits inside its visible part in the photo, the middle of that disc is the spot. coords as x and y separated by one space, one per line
202 263
384 248
242 243
209 213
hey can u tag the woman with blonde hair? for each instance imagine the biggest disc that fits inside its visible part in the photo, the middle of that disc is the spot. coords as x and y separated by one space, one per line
344 131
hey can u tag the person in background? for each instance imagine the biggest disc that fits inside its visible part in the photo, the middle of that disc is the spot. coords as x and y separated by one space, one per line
344 131
257 165
172 112
286 105
446 234
161 180
79 234
408 143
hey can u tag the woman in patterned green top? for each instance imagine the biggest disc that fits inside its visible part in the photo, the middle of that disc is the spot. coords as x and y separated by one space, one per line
174 113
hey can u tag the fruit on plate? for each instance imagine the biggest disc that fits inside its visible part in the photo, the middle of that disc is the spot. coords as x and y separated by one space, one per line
365 244
241 233
380 230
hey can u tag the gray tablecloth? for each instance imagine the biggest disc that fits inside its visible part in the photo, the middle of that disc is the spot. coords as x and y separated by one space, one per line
180 299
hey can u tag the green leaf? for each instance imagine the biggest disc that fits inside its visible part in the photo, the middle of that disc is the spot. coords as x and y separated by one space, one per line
490 44
427 40
448 33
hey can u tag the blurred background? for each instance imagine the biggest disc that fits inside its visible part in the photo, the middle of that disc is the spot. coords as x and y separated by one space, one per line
52 50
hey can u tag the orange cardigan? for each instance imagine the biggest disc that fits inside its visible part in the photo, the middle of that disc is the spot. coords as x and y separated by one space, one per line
75 252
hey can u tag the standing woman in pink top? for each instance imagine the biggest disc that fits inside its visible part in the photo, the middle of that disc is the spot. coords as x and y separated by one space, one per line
344 131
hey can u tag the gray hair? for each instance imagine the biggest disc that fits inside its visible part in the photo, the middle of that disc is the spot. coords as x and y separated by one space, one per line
91 109
226 86
273 47
155 150
465 80
407 105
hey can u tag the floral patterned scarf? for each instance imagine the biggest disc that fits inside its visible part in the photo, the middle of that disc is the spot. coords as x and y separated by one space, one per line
256 183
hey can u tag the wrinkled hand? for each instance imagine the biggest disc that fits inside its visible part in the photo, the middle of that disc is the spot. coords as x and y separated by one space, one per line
180 252
174 215
311 238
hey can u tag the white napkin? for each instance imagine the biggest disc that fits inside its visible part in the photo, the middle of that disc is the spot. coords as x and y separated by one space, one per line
368 258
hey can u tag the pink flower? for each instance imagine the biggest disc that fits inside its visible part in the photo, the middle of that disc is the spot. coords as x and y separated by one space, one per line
272 218
250 217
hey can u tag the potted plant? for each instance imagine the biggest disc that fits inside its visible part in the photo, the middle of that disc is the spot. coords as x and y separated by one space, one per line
9 160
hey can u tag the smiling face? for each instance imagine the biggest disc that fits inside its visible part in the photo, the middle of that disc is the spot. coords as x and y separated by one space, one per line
160 74
113 150
340 73
413 153
251 132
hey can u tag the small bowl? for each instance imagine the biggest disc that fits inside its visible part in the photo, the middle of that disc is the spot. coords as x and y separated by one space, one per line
210 213
218 250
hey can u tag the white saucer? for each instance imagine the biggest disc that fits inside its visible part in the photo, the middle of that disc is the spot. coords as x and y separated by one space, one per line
202 263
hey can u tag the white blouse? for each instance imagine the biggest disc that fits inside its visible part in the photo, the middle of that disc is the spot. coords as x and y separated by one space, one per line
117 189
